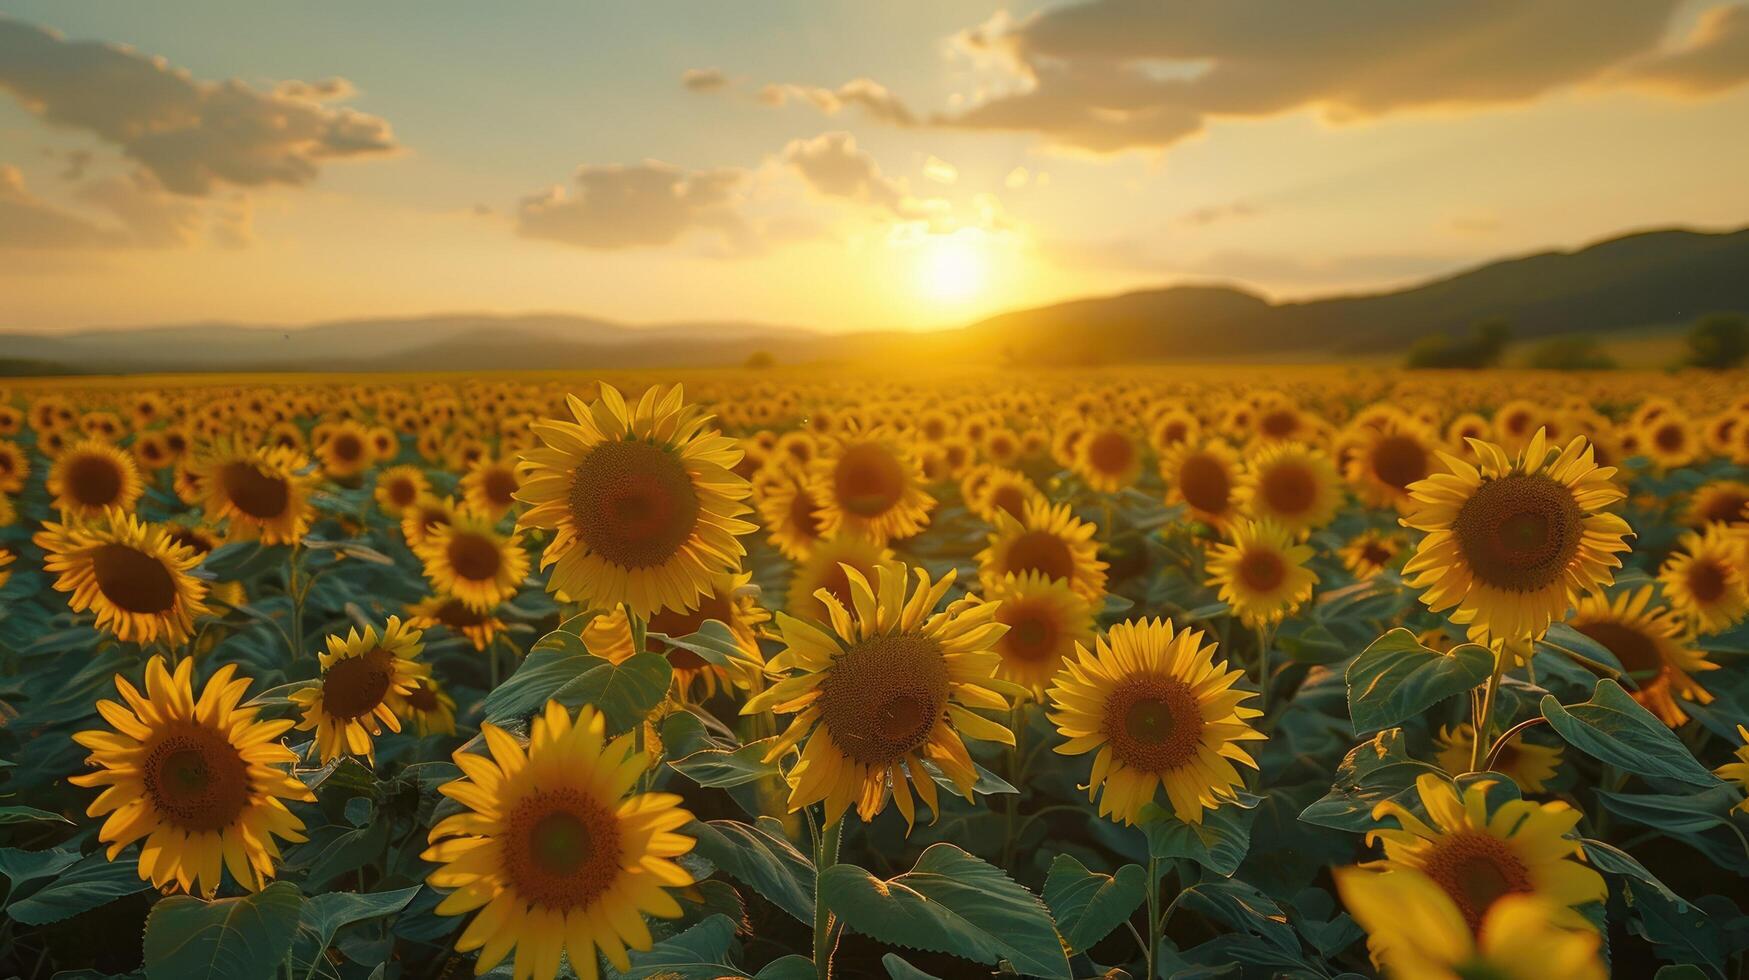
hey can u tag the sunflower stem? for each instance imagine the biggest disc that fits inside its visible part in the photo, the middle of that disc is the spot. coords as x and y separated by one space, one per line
1263 641
1485 717
1499 747
825 855
1016 775
1155 924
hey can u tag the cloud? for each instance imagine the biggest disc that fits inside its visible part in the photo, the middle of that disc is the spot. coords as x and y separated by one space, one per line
193 136
703 80
26 221
639 206
833 165
141 213
150 217
1715 57
940 171
1216 213
866 94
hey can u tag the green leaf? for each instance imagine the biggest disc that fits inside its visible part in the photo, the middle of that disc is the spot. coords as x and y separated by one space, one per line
235 938
29 814
20 865
1374 771
94 881
792 967
1396 678
758 856
949 902
1682 813
1239 906
1218 843
700 952
725 769
324 915
713 642
1681 932
1089 905
898 969
1613 728
1612 860
561 668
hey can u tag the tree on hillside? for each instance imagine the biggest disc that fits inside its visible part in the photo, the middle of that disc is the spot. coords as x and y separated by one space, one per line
1575 352
1719 341
1482 349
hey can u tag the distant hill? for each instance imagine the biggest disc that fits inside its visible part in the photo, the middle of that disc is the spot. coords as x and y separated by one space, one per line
1630 282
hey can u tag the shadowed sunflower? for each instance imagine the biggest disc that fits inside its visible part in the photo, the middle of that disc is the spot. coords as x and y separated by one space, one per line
642 501
888 687
14 467
1416 932
1262 574
345 450
132 574
260 493
1371 552
1530 765
788 509
364 686
870 483
1291 484
1386 460
558 860
1704 580
431 711
1203 477
1046 621
428 513
824 568
1652 647
1477 858
468 559
400 487
1718 501
200 779
490 486
1161 713
456 616
731 601
1513 543
91 477
1048 539
1002 491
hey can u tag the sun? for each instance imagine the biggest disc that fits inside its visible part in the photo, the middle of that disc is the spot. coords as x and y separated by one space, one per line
952 268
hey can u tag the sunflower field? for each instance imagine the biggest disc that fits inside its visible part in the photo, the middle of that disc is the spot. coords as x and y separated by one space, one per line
1126 673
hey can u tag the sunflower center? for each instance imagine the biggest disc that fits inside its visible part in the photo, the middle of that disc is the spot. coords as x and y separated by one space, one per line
1279 424
1476 870
1289 488
422 698
1706 580
348 448
1376 554
801 514
455 614
633 503
1204 483
1670 436
561 849
1724 506
1519 532
884 696
1032 631
1637 652
133 580
403 492
499 486
196 779
1153 722
1010 498
868 480
94 480
253 492
353 687
1041 551
1399 461
474 557
1110 452
1262 570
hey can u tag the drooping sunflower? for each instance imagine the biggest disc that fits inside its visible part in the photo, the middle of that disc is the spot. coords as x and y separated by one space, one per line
490 486
132 574
92 476
824 568
1513 543
260 494
1162 713
1108 458
1530 765
554 854
889 686
1262 575
1046 621
870 483
642 501
1203 477
1004 490
1718 501
788 509
480 627
1704 579
1652 647
731 601
14 467
468 559
199 778
399 488
1371 552
1477 858
1417 932
1048 539
364 687
428 513
1291 484
431 711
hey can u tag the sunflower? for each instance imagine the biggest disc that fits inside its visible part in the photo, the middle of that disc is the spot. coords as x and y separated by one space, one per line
1670 440
260 493
1417 932
480 627
364 686
345 450
1738 771
1371 552
399 488
1262 574
431 711
1291 484
6 560
490 486
1386 460
91 477
1108 459
826 568
14 467
888 687
1704 580
1203 476
1046 621
1512 544
1048 539
1716 501
871 484
468 558
1161 712
1477 858
1004 490
428 513
1530 765
731 601
559 860
642 500
133 574
1652 647
199 778
788 508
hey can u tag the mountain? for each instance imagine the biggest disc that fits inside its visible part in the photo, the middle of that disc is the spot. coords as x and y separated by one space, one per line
1650 278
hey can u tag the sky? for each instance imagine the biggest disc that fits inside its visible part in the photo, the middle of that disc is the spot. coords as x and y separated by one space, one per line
831 165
